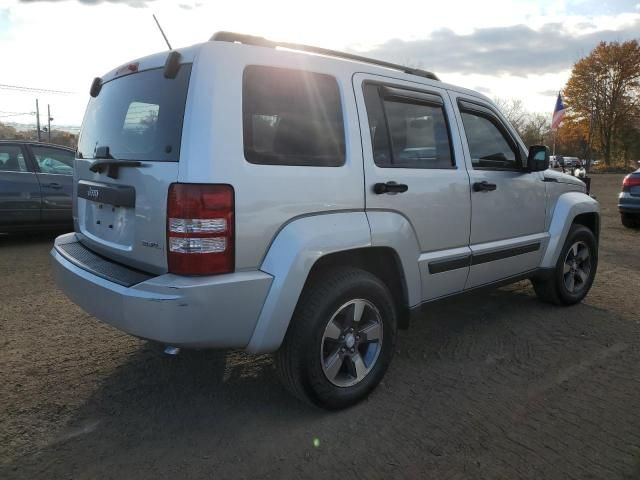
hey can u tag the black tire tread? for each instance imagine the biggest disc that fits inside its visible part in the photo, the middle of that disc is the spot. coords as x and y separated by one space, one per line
548 290
324 284
630 221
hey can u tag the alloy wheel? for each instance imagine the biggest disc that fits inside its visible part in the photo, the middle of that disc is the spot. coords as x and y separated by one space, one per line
351 343
577 267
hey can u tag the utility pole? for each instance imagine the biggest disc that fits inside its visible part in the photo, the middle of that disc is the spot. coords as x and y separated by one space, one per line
38 119
593 101
49 122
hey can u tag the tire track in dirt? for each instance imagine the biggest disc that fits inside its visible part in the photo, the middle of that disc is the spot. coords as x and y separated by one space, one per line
494 385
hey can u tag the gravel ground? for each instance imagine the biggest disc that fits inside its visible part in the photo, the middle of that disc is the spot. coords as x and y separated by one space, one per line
492 385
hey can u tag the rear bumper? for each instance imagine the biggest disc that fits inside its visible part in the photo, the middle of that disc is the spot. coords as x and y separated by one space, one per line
213 311
628 203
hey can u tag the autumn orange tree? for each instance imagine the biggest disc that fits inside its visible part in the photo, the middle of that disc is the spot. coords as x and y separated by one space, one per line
603 92
572 137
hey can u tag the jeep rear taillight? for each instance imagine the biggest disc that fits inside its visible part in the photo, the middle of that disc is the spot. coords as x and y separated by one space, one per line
200 221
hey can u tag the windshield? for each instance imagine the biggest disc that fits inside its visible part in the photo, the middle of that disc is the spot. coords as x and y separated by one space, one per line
139 117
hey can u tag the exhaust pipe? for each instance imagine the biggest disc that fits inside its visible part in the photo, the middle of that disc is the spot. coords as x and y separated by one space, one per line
173 351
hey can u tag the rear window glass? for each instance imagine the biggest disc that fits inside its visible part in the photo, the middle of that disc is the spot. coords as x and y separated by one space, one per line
292 117
138 116
11 159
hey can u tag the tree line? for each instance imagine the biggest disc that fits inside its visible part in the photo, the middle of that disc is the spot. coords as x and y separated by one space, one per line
59 137
602 101
602 121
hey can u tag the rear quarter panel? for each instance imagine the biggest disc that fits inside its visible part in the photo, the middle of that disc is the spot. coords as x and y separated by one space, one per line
266 196
290 258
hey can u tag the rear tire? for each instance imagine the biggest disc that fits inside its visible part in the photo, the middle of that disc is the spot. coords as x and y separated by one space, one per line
328 358
574 272
630 220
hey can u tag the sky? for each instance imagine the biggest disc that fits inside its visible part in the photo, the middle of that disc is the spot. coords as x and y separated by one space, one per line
503 48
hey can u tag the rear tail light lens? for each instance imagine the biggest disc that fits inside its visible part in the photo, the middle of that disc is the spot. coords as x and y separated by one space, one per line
200 221
197 245
197 225
630 181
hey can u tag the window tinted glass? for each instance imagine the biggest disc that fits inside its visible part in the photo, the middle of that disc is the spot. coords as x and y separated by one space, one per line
377 126
417 132
488 146
11 159
138 116
292 117
52 160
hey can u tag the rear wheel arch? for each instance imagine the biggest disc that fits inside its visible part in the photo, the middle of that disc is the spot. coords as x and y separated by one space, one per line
383 262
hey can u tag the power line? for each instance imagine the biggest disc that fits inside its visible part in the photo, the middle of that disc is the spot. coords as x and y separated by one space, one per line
12 112
33 90
16 114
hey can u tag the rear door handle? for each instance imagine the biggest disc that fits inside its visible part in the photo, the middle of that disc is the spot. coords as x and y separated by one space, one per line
484 186
57 186
389 187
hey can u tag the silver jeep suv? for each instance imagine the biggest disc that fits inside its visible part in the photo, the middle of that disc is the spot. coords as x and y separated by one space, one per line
237 194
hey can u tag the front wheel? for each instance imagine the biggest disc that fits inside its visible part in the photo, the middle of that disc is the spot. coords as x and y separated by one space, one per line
575 269
340 340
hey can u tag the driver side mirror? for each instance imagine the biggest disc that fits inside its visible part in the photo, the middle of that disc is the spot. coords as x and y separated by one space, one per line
538 159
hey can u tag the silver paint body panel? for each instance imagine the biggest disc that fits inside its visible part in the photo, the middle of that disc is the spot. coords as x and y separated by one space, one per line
287 217
215 311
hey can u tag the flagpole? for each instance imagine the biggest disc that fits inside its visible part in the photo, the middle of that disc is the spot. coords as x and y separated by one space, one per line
555 130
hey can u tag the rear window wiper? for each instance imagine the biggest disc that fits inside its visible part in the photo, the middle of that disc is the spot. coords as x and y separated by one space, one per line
104 161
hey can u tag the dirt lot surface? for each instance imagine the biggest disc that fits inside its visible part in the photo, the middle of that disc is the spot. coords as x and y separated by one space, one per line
493 385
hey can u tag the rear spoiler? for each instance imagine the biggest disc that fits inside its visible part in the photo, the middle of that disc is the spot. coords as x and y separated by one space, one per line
171 68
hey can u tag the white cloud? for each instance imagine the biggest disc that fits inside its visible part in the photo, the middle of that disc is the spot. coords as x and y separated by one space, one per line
62 45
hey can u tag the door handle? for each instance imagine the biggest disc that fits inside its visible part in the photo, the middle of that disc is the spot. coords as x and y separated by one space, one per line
484 186
389 187
57 186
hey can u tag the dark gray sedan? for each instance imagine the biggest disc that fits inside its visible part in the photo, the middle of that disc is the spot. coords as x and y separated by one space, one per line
629 200
36 186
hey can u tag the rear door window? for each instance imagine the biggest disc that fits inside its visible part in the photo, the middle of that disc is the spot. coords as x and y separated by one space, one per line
138 116
292 117
53 160
407 132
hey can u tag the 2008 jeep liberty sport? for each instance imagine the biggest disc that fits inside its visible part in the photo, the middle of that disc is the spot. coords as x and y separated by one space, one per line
235 194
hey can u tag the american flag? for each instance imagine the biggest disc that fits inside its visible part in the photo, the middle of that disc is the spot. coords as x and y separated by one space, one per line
558 113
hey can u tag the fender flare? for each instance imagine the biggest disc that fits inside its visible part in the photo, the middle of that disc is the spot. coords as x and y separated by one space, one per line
292 254
393 230
568 206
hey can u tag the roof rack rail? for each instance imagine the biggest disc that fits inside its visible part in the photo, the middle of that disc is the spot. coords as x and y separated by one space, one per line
263 42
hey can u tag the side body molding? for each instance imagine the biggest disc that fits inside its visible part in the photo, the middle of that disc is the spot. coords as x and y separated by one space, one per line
567 207
289 260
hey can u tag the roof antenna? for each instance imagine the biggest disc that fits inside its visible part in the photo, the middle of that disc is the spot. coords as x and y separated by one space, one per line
162 31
